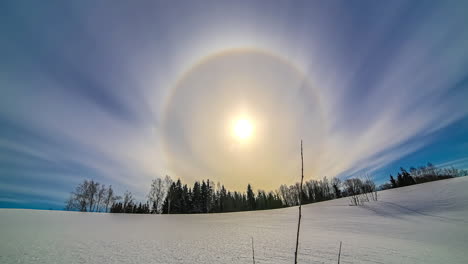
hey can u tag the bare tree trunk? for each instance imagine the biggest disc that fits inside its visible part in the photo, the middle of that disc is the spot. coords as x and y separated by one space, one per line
253 251
339 254
157 206
300 205
169 207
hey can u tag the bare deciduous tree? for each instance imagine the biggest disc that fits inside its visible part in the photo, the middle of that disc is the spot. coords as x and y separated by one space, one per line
110 198
353 188
156 195
91 193
90 196
100 198
336 185
370 187
360 190
127 199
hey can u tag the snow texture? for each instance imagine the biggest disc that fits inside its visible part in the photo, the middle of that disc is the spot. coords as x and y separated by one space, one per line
424 223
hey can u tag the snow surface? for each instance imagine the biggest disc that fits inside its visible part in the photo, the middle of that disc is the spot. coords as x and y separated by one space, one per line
424 223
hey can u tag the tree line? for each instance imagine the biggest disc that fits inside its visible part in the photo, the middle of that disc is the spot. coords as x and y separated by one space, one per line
174 197
422 174
205 197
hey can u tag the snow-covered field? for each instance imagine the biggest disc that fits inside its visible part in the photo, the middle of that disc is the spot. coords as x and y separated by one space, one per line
426 223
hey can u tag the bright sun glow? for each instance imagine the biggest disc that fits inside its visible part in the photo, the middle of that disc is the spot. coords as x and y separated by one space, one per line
243 129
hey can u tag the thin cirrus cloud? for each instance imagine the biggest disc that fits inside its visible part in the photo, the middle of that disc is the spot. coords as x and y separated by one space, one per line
93 90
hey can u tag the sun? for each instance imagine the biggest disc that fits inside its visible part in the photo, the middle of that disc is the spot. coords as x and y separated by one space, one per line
243 129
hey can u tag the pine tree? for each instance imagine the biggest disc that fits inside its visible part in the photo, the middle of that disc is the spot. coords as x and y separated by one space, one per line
204 197
196 198
407 179
393 182
222 199
400 181
250 198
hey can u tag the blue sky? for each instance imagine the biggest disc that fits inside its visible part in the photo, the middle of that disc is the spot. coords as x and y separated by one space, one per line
123 92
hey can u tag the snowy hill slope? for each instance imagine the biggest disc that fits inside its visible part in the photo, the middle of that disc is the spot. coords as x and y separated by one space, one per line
426 223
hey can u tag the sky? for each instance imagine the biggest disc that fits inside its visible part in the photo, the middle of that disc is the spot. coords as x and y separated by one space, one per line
123 92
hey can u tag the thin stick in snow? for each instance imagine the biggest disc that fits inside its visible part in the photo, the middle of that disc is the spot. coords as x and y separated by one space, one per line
300 205
339 254
253 251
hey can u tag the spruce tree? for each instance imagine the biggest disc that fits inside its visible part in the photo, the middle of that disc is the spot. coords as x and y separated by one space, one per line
393 182
250 198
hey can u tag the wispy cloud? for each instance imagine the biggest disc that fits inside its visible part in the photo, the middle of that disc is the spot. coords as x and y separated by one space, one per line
457 163
126 93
